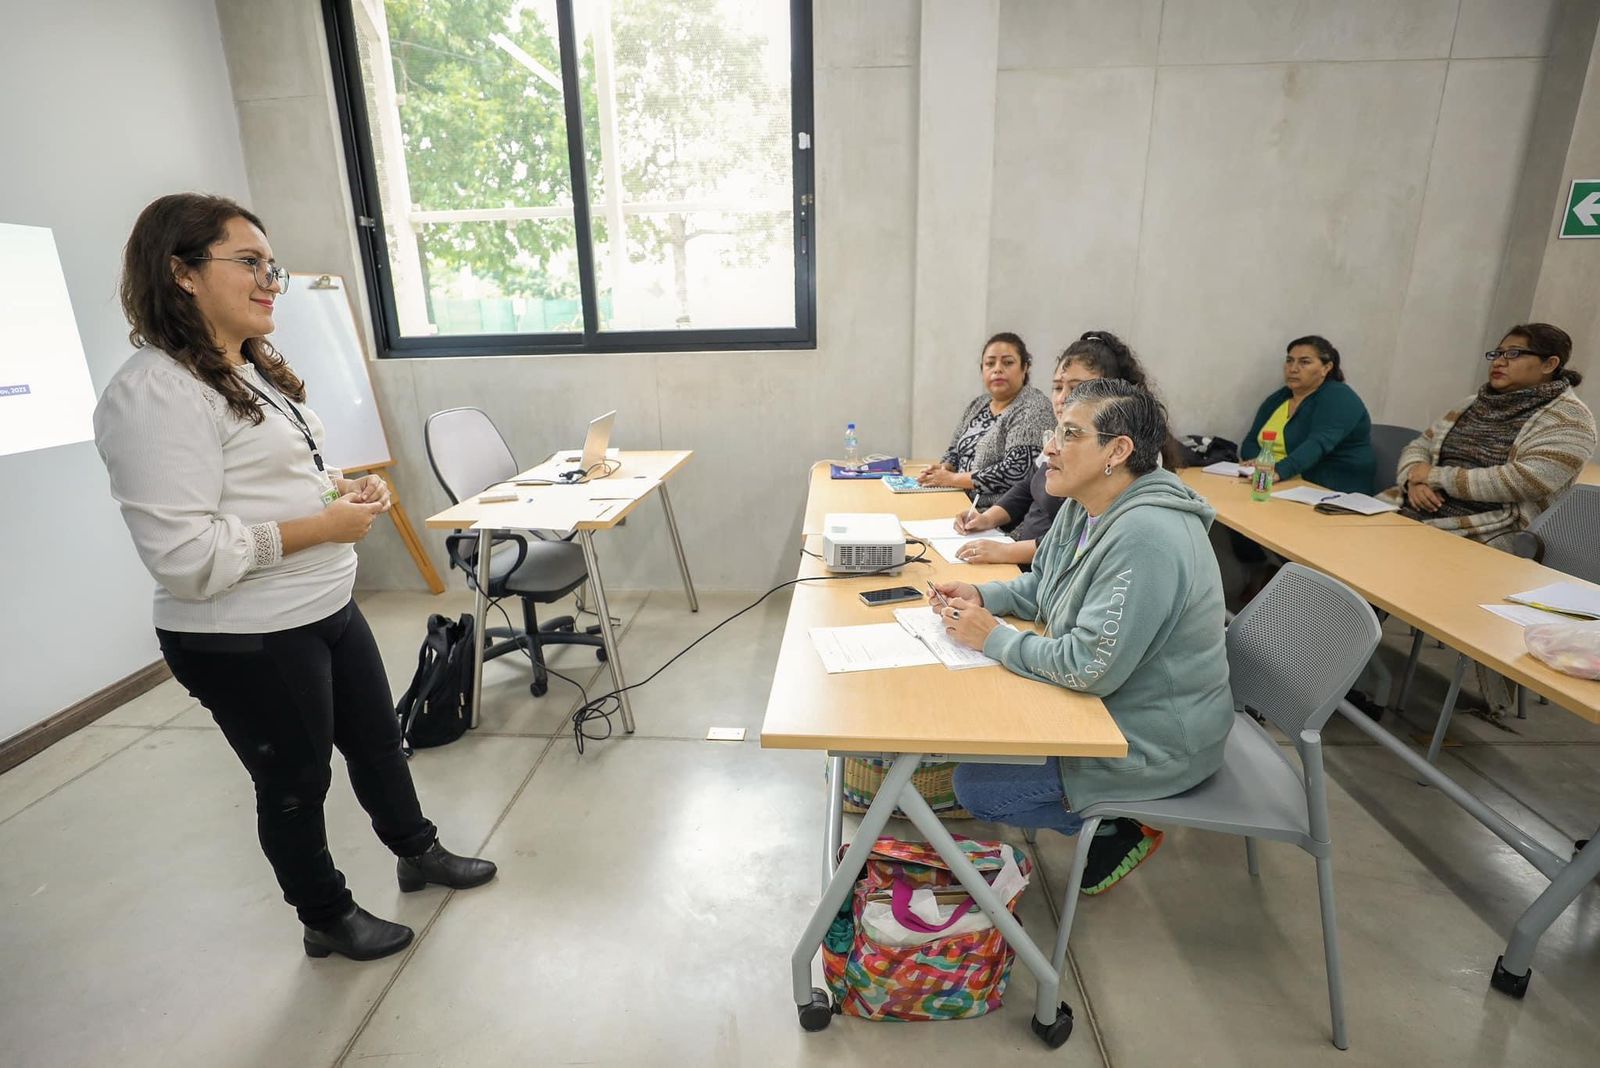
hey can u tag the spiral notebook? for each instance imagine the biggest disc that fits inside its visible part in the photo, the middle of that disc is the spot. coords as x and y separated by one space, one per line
907 484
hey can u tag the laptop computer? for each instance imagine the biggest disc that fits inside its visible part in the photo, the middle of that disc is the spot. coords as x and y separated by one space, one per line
594 448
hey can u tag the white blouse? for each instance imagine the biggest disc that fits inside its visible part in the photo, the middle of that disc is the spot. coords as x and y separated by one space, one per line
203 491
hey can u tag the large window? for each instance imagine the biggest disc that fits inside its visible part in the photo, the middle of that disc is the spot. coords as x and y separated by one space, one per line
580 175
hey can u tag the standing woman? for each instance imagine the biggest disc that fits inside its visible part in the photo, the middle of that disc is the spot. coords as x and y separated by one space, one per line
1001 431
216 461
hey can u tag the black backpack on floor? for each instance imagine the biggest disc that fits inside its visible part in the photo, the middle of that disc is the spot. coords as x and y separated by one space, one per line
436 708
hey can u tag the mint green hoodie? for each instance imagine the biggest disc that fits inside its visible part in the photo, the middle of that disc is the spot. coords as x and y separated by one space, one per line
1138 621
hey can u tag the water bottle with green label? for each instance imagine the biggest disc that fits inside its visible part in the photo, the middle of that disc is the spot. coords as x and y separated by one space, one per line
1261 483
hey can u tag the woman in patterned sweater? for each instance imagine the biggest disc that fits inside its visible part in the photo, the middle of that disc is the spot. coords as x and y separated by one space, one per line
1487 469
1001 431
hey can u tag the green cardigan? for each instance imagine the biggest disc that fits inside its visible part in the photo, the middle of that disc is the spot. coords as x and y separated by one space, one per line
1137 620
1329 439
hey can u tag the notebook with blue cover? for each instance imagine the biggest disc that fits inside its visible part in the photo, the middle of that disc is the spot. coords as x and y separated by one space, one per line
871 469
907 484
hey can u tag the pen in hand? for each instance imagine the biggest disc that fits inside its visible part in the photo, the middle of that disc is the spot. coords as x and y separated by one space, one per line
935 597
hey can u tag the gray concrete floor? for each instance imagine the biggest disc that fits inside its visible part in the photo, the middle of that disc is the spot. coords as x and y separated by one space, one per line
650 891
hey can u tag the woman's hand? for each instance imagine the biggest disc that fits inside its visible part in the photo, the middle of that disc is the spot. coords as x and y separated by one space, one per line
1423 497
369 489
968 623
949 591
347 520
972 521
930 469
988 552
938 476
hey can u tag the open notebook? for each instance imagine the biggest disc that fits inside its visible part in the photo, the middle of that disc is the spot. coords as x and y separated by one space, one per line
1324 501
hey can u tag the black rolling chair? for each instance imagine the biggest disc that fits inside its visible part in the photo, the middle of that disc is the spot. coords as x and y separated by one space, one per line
468 455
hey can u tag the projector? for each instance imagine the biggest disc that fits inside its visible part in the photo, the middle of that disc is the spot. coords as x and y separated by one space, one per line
862 541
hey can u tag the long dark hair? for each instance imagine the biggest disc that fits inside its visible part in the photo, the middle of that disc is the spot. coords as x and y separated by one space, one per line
1007 337
185 225
1547 340
1108 356
1325 352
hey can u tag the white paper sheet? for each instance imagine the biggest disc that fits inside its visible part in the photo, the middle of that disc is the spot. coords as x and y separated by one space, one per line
1228 469
1360 503
1572 598
872 647
1523 616
928 626
949 547
931 528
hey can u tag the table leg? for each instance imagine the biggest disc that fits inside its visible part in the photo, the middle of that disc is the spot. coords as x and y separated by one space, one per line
833 837
849 869
1513 970
677 547
480 612
607 635
1046 1004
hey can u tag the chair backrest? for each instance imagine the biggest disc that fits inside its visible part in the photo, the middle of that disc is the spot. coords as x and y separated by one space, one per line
1388 442
1297 648
466 452
1569 532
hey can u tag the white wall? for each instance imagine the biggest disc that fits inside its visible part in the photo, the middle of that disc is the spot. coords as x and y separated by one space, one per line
107 105
1207 177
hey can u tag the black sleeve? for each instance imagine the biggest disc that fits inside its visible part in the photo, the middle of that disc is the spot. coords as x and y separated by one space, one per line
1017 500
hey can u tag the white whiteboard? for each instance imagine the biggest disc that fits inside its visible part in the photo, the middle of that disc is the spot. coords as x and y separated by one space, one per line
316 332
45 392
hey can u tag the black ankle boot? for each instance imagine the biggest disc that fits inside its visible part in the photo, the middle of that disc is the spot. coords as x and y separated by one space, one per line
359 935
439 865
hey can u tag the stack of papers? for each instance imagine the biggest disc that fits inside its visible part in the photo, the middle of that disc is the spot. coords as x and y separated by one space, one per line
1570 598
1229 469
1524 616
1359 503
928 626
941 535
869 648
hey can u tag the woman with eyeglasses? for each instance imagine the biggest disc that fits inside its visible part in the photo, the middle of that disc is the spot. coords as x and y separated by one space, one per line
1320 428
1489 467
999 433
1130 596
1027 509
216 460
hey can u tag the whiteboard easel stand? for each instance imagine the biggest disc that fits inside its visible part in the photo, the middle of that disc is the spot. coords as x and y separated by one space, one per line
402 525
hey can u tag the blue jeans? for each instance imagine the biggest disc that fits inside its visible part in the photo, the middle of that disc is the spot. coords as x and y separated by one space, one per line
1023 795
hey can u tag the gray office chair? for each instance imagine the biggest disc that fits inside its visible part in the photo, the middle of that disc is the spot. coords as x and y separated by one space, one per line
1561 537
1388 442
1293 651
468 455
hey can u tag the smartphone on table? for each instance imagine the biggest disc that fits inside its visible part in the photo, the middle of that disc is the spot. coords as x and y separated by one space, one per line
891 595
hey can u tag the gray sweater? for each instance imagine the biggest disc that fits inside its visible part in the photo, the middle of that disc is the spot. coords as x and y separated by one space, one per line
1005 452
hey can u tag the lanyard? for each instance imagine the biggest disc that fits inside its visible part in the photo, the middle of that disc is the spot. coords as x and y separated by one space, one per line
296 419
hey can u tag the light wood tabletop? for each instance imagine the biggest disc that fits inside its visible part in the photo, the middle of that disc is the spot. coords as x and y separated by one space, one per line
565 507
1590 475
828 494
1431 579
978 712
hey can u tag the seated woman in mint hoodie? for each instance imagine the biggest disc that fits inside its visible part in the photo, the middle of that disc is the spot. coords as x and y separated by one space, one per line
1128 589
1321 430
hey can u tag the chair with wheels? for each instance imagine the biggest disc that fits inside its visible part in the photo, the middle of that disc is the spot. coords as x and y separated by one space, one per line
1293 651
468 455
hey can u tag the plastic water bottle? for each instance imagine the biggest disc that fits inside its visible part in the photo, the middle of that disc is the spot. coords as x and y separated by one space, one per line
852 447
1261 483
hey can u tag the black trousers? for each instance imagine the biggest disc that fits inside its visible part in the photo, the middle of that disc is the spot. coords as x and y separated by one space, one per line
284 699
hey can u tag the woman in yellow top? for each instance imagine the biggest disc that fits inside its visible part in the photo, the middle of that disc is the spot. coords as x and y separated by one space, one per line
1320 429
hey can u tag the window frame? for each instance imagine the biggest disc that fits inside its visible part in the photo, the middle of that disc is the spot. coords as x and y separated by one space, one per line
361 165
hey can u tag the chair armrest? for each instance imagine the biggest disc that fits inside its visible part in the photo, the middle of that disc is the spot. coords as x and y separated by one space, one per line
1526 544
463 550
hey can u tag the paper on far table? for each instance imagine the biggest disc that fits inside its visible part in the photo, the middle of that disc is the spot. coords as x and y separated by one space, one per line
1523 616
928 626
1360 503
869 648
1572 598
1228 468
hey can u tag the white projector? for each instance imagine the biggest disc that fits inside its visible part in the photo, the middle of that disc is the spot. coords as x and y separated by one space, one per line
862 541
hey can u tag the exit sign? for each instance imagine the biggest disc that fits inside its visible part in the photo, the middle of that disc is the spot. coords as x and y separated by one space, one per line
1583 209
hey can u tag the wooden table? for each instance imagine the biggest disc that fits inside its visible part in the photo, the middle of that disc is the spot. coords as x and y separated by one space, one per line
910 715
1435 581
598 504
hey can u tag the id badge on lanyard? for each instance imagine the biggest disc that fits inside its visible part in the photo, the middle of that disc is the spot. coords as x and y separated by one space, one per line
329 492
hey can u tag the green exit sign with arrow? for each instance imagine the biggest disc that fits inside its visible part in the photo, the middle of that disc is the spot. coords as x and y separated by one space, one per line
1583 209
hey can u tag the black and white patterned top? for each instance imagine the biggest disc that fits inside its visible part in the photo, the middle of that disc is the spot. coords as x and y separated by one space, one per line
999 450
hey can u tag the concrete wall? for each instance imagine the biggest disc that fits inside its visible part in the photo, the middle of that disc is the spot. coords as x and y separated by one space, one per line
1207 177
104 111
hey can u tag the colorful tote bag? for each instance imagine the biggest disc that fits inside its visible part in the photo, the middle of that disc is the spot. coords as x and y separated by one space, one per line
910 944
